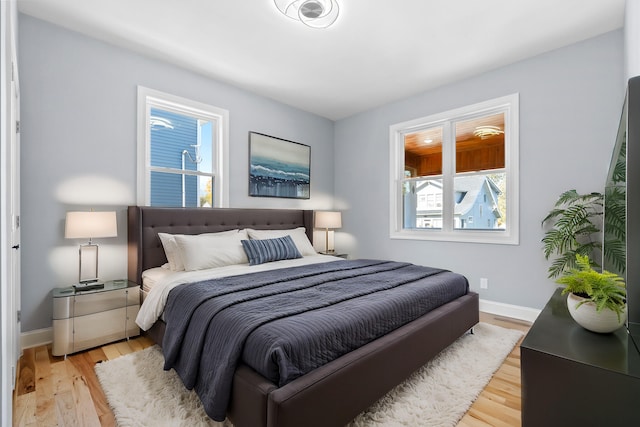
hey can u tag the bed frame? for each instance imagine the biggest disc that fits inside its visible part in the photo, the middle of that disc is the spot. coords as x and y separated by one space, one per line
333 394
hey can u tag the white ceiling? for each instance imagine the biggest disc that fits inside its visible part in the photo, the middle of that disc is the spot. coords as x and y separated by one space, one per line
378 51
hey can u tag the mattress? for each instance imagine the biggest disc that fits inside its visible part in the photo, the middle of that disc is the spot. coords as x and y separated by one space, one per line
154 275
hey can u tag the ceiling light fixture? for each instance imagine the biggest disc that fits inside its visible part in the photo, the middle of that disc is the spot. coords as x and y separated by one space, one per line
313 13
484 132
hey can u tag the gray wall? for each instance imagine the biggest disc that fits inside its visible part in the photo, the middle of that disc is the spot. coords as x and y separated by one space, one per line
570 105
79 148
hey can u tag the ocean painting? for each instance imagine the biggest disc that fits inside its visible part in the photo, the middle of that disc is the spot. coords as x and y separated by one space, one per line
278 168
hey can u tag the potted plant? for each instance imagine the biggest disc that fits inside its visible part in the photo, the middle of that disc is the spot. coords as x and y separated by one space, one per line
596 300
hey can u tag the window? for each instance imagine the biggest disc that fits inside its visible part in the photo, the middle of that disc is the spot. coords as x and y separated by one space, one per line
182 152
449 167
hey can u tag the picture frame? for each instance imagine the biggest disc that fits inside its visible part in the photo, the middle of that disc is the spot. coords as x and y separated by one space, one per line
278 167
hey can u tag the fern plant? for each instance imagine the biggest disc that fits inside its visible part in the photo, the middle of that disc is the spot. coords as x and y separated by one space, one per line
576 218
606 290
615 218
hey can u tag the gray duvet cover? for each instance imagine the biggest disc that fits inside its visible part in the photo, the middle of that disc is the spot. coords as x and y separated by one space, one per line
284 323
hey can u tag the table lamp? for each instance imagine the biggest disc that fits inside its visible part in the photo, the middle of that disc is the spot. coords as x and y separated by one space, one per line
83 225
327 220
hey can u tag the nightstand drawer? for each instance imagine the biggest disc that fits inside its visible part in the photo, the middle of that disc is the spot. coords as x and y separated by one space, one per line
82 332
98 302
83 304
106 326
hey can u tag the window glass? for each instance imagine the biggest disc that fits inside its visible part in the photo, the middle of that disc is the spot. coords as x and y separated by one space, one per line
423 152
480 147
480 143
482 198
422 203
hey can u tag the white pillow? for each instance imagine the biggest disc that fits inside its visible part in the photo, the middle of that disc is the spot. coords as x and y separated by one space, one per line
211 250
297 234
171 250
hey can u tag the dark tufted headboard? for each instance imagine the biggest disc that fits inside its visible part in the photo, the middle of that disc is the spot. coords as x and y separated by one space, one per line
145 222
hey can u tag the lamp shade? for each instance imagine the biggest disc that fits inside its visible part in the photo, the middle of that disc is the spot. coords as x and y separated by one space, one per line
328 219
90 225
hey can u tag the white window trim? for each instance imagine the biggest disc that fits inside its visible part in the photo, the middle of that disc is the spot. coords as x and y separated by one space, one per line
150 97
510 106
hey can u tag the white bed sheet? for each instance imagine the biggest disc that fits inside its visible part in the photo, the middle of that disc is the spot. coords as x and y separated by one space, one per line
153 275
156 296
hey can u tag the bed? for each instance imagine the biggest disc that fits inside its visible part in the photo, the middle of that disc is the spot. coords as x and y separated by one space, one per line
332 394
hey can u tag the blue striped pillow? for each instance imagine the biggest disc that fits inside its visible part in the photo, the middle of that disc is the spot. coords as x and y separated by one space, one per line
267 250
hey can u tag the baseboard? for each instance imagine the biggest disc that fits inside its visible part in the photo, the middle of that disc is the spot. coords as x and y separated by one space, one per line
36 338
508 310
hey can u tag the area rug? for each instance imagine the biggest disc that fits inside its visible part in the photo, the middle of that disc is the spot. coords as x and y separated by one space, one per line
141 393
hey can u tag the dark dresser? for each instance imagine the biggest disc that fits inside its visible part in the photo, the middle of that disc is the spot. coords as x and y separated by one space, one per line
574 377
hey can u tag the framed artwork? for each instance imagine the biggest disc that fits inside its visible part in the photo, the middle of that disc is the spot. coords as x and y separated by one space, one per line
278 168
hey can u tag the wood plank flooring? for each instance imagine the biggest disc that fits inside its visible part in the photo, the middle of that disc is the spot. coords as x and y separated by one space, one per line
54 391
499 404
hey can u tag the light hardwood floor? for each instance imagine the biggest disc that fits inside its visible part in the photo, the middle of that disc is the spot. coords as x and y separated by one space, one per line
499 404
54 391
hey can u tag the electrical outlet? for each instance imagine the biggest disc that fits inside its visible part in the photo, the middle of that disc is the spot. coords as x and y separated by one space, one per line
484 283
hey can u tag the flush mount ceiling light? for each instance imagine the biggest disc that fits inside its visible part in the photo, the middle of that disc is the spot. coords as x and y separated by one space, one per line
313 13
484 132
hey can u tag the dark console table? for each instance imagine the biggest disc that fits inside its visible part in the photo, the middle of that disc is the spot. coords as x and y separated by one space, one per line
574 377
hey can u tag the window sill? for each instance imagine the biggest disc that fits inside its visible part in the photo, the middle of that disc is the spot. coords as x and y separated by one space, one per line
462 236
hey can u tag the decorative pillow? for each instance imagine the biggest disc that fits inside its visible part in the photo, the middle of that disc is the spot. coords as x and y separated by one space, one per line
297 234
173 253
211 250
268 250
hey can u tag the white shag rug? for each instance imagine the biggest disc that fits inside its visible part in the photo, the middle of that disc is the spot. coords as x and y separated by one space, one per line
141 393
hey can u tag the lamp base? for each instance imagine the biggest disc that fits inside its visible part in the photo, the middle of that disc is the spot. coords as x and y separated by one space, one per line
88 266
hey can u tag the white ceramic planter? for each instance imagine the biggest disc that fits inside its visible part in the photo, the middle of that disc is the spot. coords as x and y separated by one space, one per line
604 321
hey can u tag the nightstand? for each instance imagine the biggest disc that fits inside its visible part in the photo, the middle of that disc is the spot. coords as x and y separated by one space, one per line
88 318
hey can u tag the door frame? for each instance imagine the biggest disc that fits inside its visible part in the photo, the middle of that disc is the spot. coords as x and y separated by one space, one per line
9 210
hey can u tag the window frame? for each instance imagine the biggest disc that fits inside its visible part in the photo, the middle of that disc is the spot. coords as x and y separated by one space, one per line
509 105
150 98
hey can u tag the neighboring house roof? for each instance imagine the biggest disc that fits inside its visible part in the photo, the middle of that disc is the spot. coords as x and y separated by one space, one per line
471 187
